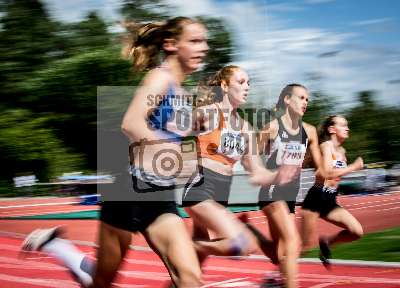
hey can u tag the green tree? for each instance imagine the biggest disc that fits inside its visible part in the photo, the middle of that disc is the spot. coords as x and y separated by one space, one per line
220 45
27 40
319 107
374 130
27 145
85 36
145 10
68 90
49 78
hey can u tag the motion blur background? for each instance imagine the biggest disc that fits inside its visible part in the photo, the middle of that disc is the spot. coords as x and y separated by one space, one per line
54 54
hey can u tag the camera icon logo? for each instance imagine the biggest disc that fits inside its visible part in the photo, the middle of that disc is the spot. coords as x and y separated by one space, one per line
165 163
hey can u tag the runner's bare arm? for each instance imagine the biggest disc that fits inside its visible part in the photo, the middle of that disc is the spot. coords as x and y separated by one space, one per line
251 160
134 124
322 156
313 144
330 172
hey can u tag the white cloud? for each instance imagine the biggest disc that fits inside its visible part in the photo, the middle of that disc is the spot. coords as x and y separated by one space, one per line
76 10
276 52
372 21
284 7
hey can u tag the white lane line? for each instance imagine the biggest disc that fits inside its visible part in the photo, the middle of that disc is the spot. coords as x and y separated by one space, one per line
157 276
372 202
307 276
39 204
372 206
358 279
259 223
256 217
46 209
323 285
55 283
20 267
241 284
33 264
223 282
38 213
360 263
388 209
304 276
164 276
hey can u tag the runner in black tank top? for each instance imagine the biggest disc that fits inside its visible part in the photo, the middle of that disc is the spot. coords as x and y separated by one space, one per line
286 139
286 149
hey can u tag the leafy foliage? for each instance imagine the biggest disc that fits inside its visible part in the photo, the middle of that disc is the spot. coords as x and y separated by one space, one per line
51 73
50 76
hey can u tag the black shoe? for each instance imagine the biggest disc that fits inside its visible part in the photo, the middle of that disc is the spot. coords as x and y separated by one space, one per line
272 281
325 253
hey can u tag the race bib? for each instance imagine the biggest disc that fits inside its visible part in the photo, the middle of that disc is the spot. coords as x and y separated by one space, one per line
291 153
232 144
339 164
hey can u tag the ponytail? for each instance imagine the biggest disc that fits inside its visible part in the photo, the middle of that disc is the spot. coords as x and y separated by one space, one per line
144 42
323 131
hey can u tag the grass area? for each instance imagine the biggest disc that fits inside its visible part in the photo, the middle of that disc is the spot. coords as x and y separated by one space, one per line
379 246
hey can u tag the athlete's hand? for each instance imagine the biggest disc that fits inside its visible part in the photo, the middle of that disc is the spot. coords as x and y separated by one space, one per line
358 164
286 174
262 177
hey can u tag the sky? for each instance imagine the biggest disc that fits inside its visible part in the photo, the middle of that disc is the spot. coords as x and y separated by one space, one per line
337 46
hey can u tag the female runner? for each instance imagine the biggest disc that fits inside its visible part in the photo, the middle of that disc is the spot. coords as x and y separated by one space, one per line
320 201
285 141
226 139
153 212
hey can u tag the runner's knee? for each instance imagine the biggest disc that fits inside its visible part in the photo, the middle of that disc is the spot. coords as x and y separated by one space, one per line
239 245
357 231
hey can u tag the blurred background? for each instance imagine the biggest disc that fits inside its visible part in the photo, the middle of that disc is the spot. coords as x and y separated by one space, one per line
55 54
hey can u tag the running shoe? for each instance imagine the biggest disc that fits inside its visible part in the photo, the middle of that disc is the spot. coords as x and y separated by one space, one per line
325 253
40 237
272 279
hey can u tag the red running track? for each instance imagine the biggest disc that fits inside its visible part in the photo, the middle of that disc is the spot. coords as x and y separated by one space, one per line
375 212
144 269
